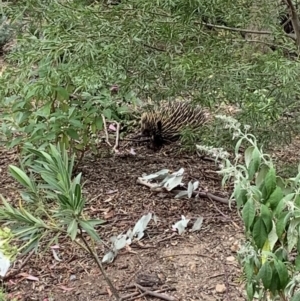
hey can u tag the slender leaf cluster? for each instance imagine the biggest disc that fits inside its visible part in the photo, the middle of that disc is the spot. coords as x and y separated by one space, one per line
51 200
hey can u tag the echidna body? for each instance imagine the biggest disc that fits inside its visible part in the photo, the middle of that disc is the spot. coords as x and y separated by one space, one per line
164 124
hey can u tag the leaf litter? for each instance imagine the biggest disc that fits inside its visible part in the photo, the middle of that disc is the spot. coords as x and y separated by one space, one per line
144 221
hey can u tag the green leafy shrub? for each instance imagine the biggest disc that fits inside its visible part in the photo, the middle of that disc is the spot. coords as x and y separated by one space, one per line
270 209
52 203
6 32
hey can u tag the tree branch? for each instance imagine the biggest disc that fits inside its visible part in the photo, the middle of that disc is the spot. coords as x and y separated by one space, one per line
92 253
234 28
262 32
295 20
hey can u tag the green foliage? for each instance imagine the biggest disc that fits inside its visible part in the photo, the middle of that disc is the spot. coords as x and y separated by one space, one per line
6 32
5 297
188 138
52 201
69 55
6 247
270 210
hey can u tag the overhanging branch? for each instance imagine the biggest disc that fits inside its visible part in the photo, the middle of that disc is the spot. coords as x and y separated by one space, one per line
294 20
242 30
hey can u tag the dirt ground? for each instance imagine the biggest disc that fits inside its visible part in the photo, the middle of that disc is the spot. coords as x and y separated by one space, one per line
197 265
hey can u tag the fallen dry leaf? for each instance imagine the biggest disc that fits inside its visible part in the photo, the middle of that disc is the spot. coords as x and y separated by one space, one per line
28 277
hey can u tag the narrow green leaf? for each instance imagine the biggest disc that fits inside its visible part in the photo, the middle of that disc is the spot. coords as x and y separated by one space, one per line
259 232
297 262
248 213
292 233
275 197
248 155
99 123
275 283
15 141
237 146
20 176
282 273
62 93
266 216
269 183
272 236
248 270
281 223
45 110
96 222
32 218
250 291
282 203
72 134
107 113
254 163
73 229
281 254
265 274
65 202
31 245
261 175
256 193
79 200
240 196
89 229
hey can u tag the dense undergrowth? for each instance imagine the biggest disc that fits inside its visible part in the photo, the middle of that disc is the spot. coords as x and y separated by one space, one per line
71 61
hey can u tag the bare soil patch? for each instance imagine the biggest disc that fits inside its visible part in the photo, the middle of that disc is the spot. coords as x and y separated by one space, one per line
188 266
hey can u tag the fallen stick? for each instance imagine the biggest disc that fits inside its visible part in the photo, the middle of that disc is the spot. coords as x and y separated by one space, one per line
157 188
117 138
105 129
155 294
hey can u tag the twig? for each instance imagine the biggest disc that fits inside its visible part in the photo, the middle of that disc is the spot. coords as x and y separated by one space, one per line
154 48
105 129
295 20
227 217
262 32
112 287
167 238
156 188
234 28
155 294
117 138
152 186
215 276
213 197
224 215
135 295
82 152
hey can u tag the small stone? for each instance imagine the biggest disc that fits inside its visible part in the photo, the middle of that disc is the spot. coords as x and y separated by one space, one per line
221 288
235 247
230 258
